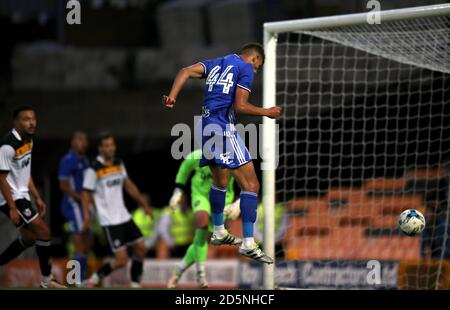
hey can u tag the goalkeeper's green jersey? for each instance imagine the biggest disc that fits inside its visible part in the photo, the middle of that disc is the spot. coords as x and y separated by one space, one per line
202 179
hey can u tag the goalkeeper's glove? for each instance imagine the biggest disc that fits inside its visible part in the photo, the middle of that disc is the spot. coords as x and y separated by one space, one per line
175 200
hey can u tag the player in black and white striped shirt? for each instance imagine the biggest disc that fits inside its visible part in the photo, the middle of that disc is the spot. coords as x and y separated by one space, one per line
16 184
103 186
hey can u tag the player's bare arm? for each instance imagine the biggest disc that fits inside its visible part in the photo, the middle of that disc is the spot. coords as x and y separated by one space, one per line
6 191
194 71
242 106
65 187
87 201
39 201
134 192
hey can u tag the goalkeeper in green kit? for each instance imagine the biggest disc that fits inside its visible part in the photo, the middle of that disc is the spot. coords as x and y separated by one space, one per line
201 183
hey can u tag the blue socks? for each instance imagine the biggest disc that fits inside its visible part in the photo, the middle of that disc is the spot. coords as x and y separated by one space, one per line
249 204
217 199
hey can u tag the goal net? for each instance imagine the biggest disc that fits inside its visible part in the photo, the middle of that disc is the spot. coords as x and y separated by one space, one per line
365 134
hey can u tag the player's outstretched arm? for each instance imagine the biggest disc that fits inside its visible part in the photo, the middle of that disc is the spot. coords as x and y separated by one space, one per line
194 71
86 201
242 106
134 192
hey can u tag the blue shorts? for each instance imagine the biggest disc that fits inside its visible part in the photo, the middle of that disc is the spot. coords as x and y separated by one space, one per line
73 213
221 143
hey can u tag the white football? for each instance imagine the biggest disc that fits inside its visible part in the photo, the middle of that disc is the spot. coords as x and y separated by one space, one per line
411 222
233 210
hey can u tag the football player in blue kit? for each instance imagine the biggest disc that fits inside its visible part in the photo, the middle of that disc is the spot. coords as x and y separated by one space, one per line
71 170
228 85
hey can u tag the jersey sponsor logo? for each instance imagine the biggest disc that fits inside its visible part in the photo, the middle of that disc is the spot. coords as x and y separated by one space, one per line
114 182
24 149
25 162
117 243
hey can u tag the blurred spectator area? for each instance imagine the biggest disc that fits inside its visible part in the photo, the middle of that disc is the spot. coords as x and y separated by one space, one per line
124 43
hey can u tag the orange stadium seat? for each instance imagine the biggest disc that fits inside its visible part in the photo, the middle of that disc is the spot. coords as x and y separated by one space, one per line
312 205
426 174
391 205
319 220
382 184
355 221
386 221
360 209
352 195
383 248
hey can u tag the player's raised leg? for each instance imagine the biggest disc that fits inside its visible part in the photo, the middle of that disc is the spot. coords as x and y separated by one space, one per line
246 177
198 250
217 196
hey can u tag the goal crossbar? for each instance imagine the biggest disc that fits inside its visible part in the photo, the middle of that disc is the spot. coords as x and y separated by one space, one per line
356 19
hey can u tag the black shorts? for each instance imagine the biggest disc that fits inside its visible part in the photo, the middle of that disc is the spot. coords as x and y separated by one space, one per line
121 235
26 212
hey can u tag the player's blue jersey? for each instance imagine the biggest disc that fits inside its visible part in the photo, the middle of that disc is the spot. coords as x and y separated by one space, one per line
223 75
71 168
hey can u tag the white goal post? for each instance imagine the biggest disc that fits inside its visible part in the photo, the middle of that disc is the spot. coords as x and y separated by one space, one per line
272 31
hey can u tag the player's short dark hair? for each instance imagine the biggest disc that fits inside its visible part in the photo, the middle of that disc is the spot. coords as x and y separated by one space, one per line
20 109
253 47
78 132
103 136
